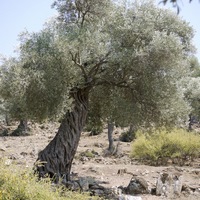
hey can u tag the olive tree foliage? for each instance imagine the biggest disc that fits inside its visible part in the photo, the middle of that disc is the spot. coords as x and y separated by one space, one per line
135 52
146 103
49 78
13 82
191 87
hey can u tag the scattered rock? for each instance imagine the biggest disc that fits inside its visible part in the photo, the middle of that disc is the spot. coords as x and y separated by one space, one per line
73 185
137 185
145 172
8 162
121 171
84 184
4 132
92 169
99 145
84 159
186 189
196 172
118 191
12 157
99 159
98 190
129 197
24 153
42 126
169 184
2 149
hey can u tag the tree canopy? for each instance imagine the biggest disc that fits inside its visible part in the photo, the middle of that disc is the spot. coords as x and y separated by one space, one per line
137 47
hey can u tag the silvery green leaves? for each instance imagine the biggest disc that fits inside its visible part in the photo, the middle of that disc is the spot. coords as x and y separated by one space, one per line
132 47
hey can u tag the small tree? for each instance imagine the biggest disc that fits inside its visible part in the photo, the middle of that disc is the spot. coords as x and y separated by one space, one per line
12 91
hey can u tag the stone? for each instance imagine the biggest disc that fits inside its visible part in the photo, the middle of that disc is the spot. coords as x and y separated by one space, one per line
73 185
24 153
84 184
169 184
8 162
2 149
137 185
129 197
122 171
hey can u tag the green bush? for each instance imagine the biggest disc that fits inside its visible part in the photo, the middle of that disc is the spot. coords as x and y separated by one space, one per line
94 125
18 184
161 145
88 153
127 136
94 129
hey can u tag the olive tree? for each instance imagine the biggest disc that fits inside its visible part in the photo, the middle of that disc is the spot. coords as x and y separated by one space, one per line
139 51
12 92
190 87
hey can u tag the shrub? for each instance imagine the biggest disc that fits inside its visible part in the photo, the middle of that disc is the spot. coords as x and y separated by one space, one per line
18 184
88 153
94 126
127 136
94 129
160 145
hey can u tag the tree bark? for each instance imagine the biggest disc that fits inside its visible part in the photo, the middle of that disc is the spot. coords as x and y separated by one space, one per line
110 136
190 123
56 159
7 120
131 128
23 125
22 128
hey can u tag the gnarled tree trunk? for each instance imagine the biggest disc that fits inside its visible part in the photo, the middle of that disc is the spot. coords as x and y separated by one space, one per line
56 159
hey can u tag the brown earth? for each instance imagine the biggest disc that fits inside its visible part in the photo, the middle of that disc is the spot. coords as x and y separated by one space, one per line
109 171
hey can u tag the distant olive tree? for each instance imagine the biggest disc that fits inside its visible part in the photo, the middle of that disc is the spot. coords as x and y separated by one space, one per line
191 88
12 91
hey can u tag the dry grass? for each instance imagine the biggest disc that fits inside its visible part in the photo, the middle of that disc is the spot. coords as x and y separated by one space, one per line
21 184
162 144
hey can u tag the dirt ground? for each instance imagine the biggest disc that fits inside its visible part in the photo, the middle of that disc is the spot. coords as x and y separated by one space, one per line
110 171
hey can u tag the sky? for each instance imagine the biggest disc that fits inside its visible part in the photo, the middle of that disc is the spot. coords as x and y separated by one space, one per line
17 16
191 13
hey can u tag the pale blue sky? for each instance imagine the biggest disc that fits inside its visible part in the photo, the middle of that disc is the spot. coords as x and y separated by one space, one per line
191 13
19 15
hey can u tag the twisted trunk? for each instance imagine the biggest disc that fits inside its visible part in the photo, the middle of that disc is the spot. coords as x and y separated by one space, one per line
56 159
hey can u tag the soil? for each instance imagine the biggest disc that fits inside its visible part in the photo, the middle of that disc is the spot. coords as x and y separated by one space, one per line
109 171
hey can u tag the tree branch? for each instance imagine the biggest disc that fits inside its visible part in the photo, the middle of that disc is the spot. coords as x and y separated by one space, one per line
78 63
96 67
121 84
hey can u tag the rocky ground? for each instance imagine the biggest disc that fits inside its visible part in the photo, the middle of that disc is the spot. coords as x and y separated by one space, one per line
109 172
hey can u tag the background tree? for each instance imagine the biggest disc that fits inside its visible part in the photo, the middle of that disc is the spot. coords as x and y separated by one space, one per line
140 49
190 87
12 91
